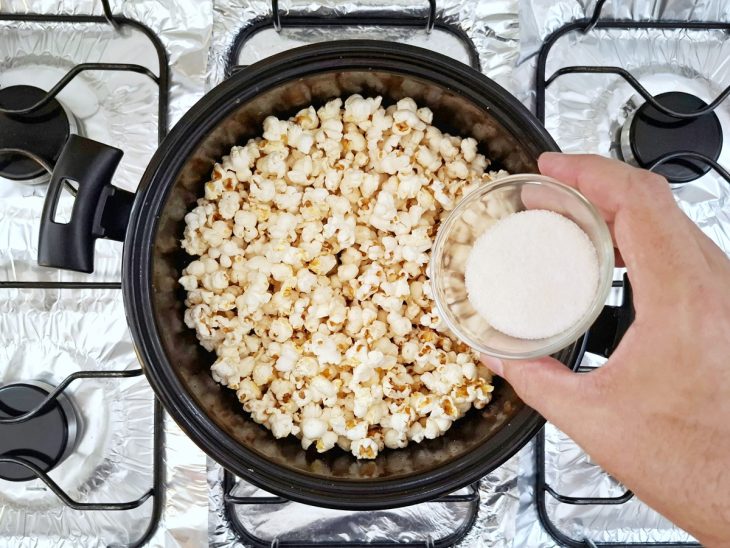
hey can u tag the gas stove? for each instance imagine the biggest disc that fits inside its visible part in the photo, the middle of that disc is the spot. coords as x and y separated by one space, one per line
87 454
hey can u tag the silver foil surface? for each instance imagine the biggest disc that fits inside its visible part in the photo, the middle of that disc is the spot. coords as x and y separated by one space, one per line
437 521
585 112
490 26
49 334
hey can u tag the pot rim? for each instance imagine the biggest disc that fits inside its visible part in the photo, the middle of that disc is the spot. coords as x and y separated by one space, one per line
157 182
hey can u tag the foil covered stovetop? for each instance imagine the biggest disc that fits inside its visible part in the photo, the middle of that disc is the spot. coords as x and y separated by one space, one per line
51 333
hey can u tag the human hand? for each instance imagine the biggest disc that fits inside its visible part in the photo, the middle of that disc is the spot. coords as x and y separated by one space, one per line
656 416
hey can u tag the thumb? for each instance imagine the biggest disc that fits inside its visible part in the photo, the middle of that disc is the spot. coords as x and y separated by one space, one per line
546 385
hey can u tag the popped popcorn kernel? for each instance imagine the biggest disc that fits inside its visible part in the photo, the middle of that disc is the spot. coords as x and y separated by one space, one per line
309 279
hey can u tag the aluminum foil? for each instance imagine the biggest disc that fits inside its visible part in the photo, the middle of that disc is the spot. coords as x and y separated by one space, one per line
47 335
437 521
51 333
99 100
570 471
183 26
491 27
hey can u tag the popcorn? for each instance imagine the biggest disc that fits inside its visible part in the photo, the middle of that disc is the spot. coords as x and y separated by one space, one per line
457 170
274 129
281 425
469 149
425 114
326 442
313 428
400 325
241 160
280 330
364 448
384 211
406 120
309 276
307 118
306 280
358 109
189 282
409 185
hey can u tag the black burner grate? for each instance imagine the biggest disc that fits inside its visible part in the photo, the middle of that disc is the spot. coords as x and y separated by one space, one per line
456 535
156 491
594 22
371 18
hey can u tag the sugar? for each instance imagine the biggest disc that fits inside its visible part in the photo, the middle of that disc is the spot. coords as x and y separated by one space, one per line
532 274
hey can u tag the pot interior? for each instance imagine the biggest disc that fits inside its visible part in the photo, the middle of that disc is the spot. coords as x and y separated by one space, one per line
504 142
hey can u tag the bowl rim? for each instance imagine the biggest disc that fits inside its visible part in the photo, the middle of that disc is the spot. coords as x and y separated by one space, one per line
605 278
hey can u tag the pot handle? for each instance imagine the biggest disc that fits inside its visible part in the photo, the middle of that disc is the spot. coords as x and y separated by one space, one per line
100 209
607 331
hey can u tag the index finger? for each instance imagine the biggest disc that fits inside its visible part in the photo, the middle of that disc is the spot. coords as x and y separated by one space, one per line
609 184
649 229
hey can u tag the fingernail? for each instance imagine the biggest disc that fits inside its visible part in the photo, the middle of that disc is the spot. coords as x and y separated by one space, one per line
494 364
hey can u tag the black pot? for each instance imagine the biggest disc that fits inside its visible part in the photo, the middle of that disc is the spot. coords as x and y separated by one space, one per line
464 103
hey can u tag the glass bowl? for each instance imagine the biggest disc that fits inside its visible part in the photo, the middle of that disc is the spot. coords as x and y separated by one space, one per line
474 214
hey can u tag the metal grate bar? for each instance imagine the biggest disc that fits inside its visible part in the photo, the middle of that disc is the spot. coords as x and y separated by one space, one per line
375 18
68 501
155 493
594 22
60 285
253 500
75 71
430 16
725 174
626 75
48 401
582 501
118 22
542 487
541 83
231 501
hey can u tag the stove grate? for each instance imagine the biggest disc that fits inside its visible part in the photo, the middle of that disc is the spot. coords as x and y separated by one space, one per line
372 18
156 492
587 25
454 537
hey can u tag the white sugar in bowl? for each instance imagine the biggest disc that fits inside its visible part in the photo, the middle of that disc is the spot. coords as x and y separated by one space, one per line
536 280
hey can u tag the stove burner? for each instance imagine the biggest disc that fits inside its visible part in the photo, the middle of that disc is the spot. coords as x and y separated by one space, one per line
42 132
44 440
650 134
